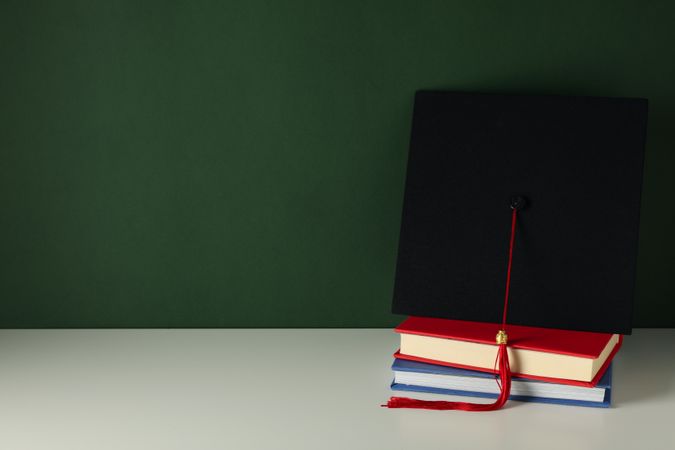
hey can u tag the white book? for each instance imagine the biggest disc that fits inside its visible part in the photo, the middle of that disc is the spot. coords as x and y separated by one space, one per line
422 377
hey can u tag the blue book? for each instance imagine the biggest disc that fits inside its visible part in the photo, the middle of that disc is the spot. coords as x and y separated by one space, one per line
431 378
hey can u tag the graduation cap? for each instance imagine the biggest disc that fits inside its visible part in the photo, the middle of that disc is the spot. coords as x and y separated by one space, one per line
570 169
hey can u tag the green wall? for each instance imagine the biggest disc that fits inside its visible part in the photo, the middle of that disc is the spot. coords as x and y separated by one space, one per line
241 163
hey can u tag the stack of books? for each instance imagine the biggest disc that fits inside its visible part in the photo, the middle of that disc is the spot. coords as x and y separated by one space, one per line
457 357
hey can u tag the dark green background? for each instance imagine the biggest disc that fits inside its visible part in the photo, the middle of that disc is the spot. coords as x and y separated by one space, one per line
241 163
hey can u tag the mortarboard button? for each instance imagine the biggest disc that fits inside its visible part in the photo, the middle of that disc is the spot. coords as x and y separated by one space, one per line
518 202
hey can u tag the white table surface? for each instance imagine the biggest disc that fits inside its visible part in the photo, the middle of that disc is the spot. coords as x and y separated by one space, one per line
290 389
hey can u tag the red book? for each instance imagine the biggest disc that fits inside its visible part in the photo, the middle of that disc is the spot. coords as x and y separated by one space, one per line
559 356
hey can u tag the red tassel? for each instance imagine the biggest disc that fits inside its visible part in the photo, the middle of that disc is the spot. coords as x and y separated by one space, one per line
502 360
505 390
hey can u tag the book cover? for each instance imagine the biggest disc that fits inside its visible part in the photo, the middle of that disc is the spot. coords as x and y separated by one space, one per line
574 343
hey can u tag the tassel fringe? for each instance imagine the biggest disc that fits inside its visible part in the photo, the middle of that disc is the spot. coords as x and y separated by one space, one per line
504 385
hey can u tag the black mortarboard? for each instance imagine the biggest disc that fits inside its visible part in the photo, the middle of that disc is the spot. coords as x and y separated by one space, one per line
578 163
